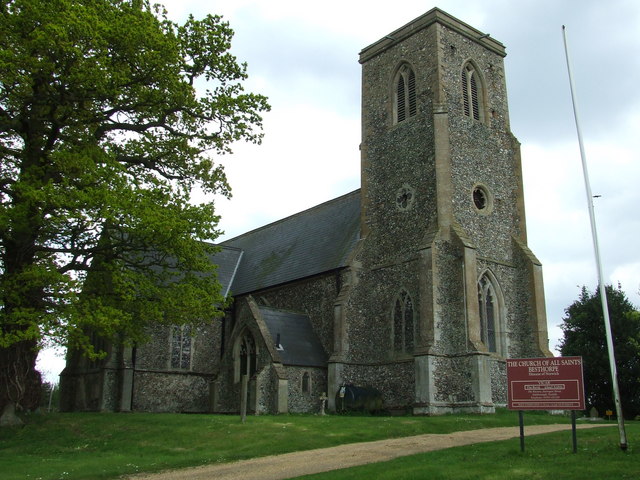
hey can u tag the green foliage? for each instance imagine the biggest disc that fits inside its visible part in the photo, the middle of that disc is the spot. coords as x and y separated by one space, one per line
104 137
584 335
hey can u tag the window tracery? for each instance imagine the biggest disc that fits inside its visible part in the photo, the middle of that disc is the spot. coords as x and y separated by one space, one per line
492 332
245 356
403 324
181 347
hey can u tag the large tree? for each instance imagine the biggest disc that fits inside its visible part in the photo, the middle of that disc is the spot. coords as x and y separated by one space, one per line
584 335
110 115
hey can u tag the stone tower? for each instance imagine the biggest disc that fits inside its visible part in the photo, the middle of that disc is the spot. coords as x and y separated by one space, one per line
442 286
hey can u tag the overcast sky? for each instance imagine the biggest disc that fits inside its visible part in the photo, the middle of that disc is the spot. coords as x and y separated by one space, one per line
304 57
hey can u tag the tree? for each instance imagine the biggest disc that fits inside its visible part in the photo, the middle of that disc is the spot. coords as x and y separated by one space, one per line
109 117
584 335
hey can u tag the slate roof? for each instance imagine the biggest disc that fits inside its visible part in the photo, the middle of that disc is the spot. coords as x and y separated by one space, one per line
314 241
227 260
300 345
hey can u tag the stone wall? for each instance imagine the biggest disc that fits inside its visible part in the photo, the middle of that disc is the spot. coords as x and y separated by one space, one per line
155 354
170 392
158 387
395 381
305 402
499 382
370 307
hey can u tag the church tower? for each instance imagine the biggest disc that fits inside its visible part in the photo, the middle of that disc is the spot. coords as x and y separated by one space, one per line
442 286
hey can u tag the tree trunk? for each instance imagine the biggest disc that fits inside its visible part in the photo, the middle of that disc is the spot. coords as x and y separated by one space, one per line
17 378
9 417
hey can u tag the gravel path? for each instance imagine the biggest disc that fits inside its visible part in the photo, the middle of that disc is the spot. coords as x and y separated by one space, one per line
290 465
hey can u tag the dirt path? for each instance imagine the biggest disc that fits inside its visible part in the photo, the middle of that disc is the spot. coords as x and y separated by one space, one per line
290 465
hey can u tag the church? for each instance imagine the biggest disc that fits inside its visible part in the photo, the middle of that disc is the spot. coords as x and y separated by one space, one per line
419 284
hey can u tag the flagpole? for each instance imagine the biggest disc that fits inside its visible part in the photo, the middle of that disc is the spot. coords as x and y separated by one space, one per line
596 248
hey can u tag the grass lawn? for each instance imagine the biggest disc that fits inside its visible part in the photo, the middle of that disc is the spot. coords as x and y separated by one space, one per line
107 445
546 457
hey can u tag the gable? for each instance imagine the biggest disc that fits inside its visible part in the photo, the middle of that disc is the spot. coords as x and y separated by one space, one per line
308 243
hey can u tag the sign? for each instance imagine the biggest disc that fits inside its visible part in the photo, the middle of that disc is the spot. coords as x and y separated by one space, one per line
545 383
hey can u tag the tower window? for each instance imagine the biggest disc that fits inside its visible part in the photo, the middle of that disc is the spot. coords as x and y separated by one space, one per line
405 197
482 199
403 324
405 104
472 96
491 328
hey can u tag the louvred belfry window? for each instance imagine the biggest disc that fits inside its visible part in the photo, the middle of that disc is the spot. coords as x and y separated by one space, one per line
401 99
405 94
472 93
411 91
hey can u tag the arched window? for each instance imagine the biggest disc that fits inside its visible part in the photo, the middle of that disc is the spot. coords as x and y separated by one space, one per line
403 324
492 331
405 104
472 93
181 346
245 357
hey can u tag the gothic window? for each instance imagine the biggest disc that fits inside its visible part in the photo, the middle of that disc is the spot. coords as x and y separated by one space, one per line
491 331
245 358
181 346
403 324
472 93
405 105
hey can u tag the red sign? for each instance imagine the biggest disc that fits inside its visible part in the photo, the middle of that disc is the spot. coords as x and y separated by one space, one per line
545 383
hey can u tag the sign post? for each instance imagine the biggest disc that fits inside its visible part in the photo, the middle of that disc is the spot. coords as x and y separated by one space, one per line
554 383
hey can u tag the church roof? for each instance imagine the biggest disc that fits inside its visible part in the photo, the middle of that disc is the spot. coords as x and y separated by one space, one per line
227 259
308 243
298 344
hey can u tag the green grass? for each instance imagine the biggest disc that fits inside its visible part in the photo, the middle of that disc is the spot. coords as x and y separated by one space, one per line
104 445
546 457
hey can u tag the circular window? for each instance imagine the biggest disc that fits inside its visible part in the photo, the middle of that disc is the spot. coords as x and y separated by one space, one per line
405 197
482 199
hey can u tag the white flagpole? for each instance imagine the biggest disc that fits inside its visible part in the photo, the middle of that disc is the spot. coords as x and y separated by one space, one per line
594 234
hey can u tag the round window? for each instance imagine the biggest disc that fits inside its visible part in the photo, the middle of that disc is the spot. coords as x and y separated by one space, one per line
405 197
481 198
